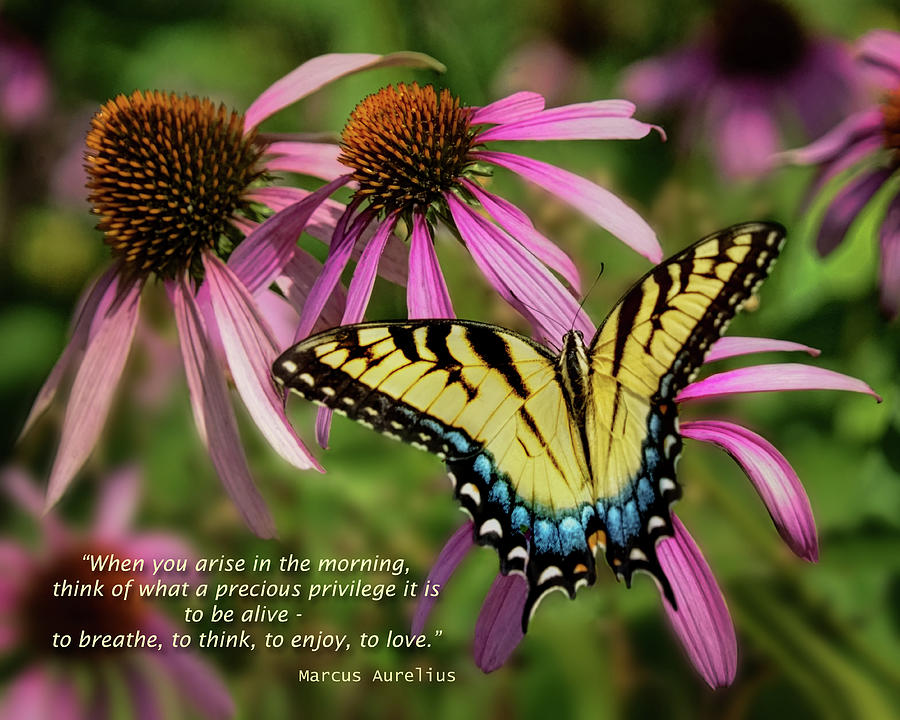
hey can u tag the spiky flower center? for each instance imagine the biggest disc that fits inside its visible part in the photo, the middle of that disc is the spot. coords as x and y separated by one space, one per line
407 145
75 608
166 173
757 38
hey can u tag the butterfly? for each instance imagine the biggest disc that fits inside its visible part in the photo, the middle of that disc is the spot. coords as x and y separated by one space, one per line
554 456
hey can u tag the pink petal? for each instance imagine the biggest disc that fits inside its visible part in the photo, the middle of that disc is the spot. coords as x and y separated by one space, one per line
358 295
28 695
338 255
746 138
143 693
702 621
250 350
88 306
117 502
194 678
316 159
259 259
518 277
600 120
509 109
598 204
517 224
845 206
836 141
456 548
315 73
498 630
297 282
213 414
733 346
890 260
771 475
94 386
881 48
280 315
21 489
771 378
426 293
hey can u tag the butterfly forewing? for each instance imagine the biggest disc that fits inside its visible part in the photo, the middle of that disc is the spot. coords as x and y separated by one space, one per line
650 346
486 401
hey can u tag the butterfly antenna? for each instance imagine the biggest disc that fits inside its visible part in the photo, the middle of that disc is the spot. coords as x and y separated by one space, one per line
584 299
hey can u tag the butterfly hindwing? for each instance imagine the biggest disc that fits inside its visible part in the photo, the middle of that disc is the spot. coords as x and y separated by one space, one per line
486 401
650 346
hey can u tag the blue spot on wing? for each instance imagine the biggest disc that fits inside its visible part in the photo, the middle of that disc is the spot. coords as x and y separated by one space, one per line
521 518
631 520
483 467
571 535
614 525
546 537
500 494
644 493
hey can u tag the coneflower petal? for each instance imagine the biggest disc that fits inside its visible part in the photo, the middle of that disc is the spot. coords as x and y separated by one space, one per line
307 158
733 346
94 386
702 621
426 293
321 70
451 555
498 630
770 378
250 350
771 475
213 414
509 109
599 204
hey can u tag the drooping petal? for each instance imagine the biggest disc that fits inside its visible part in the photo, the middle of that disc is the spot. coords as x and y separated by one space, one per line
426 293
771 475
358 295
733 346
190 674
259 259
280 315
600 120
881 48
498 630
88 306
250 350
117 502
835 142
599 204
456 548
517 224
94 386
338 255
315 73
316 159
509 109
213 414
770 378
28 694
702 621
518 277
890 260
845 206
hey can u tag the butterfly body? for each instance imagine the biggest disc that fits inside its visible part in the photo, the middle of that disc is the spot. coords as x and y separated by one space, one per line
555 456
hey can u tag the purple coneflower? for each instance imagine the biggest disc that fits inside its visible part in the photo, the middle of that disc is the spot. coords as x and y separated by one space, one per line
416 154
176 183
863 153
736 81
70 682
701 620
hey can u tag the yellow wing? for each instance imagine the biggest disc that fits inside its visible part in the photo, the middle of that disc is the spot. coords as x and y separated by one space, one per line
650 346
486 401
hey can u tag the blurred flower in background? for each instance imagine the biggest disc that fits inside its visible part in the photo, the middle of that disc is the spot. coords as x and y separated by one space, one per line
701 620
176 183
754 71
859 159
96 683
24 82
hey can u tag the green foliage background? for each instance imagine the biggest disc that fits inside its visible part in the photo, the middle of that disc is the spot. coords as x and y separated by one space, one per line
815 640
